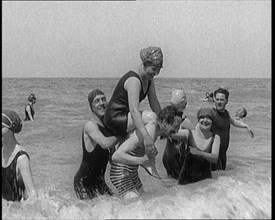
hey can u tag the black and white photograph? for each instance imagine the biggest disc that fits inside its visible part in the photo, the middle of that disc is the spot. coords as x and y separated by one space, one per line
136 109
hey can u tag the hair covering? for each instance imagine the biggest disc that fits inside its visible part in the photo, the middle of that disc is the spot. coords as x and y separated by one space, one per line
31 97
178 96
206 112
11 120
93 94
152 56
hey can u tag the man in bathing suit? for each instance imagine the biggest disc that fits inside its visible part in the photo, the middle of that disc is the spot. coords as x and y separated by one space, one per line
127 158
97 143
123 114
221 125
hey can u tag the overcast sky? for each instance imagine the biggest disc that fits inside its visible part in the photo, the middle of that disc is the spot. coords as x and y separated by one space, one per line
103 39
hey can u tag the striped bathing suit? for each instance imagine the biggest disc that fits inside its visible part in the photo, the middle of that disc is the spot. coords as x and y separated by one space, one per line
124 176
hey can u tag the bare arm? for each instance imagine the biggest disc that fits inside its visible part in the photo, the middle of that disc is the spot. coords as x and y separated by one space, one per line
24 169
91 129
241 124
28 109
186 124
153 99
211 157
121 155
182 134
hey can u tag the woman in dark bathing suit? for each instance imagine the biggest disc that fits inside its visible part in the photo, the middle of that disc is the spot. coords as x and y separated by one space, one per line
29 109
201 151
97 143
17 182
123 114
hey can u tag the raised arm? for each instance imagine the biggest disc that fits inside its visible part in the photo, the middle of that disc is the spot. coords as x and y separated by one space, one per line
241 124
91 129
24 169
153 99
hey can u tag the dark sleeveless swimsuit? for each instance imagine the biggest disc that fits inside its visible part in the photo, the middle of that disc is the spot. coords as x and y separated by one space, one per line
172 159
27 118
195 168
13 189
221 126
89 180
116 115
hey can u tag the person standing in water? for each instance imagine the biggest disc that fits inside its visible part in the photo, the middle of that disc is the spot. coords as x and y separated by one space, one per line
29 109
171 158
97 144
201 151
123 114
221 125
131 153
17 181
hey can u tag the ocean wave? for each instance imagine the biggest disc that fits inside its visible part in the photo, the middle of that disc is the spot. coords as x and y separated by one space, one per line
224 197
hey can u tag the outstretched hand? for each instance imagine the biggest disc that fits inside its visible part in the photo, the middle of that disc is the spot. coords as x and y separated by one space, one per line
250 132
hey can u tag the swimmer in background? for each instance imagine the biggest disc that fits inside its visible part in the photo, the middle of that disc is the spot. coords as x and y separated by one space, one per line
179 100
17 181
240 114
29 109
209 97
123 114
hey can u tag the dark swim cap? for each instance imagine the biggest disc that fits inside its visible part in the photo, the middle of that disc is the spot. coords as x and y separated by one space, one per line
206 112
31 97
93 94
152 56
11 120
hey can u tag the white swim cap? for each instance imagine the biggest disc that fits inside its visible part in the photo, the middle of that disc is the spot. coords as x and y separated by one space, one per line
178 97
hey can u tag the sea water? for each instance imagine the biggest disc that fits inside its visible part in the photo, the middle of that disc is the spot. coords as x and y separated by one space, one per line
53 142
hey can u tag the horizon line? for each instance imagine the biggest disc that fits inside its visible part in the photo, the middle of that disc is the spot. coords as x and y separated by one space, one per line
72 77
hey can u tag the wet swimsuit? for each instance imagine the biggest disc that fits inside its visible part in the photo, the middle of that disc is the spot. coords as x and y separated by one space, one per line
172 159
125 177
13 189
27 118
116 115
195 168
221 126
89 180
